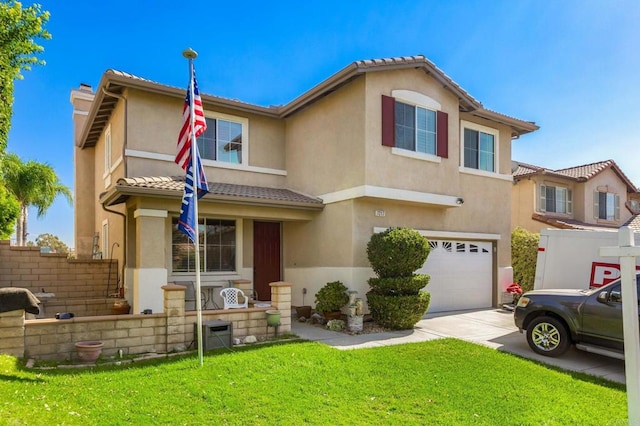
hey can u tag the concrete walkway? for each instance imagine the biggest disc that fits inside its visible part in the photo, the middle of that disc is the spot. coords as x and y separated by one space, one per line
490 327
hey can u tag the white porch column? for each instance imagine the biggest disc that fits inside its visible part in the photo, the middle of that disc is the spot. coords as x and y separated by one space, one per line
627 252
150 273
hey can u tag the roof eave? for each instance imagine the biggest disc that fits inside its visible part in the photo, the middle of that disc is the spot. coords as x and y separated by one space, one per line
119 194
518 127
114 82
356 69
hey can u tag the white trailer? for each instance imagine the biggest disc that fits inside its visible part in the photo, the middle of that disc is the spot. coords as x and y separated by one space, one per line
570 259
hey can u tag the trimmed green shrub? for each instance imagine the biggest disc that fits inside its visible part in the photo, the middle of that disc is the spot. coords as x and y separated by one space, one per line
331 297
398 312
396 299
524 255
401 286
397 252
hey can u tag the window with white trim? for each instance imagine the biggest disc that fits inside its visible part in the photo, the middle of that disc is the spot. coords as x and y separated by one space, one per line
480 150
606 206
217 246
224 140
555 199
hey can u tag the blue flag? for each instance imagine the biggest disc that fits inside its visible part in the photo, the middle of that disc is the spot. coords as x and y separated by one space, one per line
187 222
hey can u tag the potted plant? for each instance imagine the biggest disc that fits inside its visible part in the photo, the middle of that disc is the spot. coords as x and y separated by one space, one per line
330 299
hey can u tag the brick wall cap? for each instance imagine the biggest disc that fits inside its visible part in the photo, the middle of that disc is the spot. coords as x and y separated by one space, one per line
280 284
173 287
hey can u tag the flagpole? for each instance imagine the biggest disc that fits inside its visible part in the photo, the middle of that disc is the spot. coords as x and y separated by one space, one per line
191 54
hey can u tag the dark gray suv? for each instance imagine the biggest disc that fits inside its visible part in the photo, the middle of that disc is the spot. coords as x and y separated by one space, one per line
590 319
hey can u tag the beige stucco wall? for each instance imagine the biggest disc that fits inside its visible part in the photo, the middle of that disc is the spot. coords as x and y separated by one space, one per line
155 122
607 181
325 146
523 205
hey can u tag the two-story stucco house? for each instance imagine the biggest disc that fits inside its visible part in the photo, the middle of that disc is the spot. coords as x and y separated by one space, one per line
590 196
297 190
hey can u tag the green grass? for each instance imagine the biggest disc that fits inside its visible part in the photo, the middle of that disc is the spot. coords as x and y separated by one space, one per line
442 382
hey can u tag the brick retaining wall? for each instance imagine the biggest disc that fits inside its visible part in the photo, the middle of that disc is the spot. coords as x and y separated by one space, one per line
26 267
172 330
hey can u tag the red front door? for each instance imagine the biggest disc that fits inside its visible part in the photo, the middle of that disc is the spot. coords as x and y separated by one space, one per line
266 257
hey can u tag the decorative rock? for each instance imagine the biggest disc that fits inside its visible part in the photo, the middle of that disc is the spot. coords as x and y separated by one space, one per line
236 341
302 319
317 319
250 339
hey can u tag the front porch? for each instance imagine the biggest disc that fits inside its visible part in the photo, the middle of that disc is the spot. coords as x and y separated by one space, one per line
170 331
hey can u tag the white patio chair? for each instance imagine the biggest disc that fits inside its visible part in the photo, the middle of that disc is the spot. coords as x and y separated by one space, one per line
230 298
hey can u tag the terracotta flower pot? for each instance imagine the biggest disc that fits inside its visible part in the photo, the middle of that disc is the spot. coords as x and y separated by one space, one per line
89 351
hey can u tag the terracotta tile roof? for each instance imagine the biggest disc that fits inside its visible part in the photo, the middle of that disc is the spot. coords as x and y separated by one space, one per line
176 183
571 224
420 60
115 82
634 223
523 169
586 171
577 173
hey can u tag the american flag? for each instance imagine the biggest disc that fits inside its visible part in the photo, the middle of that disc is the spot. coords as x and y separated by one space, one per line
187 222
183 154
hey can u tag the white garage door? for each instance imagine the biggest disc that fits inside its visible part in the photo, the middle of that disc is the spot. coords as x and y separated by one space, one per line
461 275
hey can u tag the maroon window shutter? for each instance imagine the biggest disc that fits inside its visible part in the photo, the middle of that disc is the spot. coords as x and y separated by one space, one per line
388 121
442 138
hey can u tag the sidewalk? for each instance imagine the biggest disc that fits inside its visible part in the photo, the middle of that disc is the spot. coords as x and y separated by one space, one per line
490 327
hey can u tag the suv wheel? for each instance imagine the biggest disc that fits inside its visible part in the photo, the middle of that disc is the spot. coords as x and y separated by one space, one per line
548 336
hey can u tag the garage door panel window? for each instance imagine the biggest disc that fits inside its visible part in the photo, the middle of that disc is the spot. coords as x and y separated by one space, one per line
461 274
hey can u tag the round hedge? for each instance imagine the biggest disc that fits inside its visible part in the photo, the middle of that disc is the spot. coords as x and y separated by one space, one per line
398 312
397 252
401 286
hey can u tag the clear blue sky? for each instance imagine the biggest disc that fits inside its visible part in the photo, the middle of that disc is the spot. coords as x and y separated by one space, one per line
573 67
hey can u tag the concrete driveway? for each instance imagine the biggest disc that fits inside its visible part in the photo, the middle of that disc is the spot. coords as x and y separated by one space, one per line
490 327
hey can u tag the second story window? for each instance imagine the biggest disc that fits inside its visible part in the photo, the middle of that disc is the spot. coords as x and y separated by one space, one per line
606 206
415 128
479 149
222 141
555 199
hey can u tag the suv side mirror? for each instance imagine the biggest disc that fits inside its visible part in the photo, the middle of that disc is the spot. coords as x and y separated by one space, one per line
603 297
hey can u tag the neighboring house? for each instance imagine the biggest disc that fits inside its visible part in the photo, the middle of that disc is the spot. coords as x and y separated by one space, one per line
297 190
592 196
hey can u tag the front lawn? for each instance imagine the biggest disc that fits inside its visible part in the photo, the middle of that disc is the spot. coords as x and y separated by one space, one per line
437 382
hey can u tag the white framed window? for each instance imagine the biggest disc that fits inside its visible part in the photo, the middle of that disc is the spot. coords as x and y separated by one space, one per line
107 150
555 199
225 140
217 246
479 147
606 206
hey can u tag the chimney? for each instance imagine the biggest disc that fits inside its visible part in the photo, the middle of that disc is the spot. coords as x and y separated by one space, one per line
81 99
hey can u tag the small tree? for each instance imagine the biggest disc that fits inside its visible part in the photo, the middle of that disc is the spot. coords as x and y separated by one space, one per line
396 299
33 184
53 242
19 27
524 255
9 212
